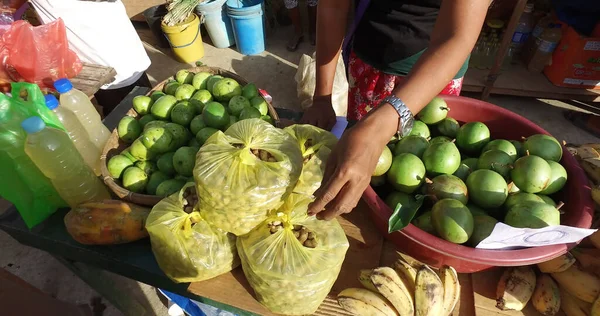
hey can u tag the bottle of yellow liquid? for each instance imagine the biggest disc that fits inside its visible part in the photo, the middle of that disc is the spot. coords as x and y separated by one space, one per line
80 137
53 152
79 103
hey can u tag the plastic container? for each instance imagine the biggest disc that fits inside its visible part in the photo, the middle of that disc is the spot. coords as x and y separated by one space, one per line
153 16
435 251
248 25
533 41
54 154
185 39
79 103
524 28
546 45
217 23
77 133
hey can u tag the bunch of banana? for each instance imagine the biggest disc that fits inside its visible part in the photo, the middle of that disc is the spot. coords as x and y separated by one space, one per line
404 290
588 156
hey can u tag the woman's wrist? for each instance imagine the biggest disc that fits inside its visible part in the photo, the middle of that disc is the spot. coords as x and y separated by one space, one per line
382 123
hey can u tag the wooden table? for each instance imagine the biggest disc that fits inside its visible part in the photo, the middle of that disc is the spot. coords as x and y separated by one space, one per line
92 77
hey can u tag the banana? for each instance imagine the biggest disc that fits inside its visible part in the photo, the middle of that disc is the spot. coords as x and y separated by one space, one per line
407 273
595 309
451 288
587 152
365 279
581 284
596 194
595 239
429 293
591 166
546 296
515 288
558 264
573 306
588 258
363 302
388 283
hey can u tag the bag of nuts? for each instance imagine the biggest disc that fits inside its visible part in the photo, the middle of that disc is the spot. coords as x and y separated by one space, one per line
186 247
316 145
291 260
245 172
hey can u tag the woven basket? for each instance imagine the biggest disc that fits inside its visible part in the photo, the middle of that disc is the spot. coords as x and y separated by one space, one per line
114 146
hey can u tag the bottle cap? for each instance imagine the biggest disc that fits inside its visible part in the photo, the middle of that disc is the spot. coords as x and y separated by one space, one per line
528 7
63 85
51 101
33 124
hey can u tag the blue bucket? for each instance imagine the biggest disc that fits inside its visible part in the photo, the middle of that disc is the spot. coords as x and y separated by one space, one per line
217 23
248 25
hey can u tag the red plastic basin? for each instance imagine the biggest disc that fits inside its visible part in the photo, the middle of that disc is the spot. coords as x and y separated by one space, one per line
434 251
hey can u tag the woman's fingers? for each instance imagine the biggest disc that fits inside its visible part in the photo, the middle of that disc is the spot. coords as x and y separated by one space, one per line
326 193
343 203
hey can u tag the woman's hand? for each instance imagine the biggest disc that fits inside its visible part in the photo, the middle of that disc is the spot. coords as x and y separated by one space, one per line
320 114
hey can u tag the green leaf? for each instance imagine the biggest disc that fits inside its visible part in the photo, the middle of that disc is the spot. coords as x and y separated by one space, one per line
403 214
199 64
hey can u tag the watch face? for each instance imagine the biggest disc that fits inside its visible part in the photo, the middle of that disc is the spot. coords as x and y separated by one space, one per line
407 128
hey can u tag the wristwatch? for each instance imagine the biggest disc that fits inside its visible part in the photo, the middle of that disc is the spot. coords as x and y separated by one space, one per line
407 119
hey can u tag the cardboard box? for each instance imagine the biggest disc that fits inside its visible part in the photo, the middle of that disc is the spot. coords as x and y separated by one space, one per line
575 62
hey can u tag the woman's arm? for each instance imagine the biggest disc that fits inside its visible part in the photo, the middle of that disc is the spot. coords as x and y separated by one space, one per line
352 162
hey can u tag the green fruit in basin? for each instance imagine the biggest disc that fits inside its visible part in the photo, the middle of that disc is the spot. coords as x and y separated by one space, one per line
395 198
423 222
249 91
169 187
441 158
519 147
237 104
407 173
531 174
215 115
487 189
447 187
181 135
548 200
203 96
129 129
141 104
127 153
135 179
496 160
184 160
147 166
197 124
472 137
452 220
413 144
434 112
204 134
141 152
155 179
171 87
194 143
502 145
448 127
183 113
420 129
165 163
476 210
378 181
466 167
518 198
117 164
483 225
154 124
384 163
260 104
211 81
233 120
267 119
162 108
532 215
440 139
144 120
544 146
156 95
184 92
558 178
157 139
184 76
249 113
225 89
200 80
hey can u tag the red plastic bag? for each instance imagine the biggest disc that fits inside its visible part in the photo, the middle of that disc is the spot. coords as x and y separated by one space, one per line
38 54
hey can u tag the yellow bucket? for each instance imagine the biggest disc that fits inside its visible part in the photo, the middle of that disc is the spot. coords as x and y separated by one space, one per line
185 39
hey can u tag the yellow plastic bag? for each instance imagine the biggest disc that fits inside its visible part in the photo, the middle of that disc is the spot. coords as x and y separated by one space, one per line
287 276
185 246
245 172
316 145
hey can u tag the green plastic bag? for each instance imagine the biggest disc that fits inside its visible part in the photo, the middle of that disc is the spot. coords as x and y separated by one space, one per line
30 100
245 172
316 145
185 246
290 277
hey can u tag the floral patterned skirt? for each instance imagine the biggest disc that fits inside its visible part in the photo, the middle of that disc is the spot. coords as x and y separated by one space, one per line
368 86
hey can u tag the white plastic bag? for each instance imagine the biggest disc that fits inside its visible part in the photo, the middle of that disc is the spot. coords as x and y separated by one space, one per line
305 78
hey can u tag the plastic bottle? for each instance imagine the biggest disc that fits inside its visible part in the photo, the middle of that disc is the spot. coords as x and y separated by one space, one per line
534 40
54 154
80 137
79 103
548 42
524 29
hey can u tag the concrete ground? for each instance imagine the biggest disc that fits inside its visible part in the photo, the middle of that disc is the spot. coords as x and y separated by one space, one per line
273 71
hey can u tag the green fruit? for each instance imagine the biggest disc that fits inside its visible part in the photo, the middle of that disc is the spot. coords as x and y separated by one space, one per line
129 129
249 91
487 188
237 104
203 96
532 215
184 161
420 129
452 220
126 152
117 164
194 143
423 222
448 127
447 187
183 113
181 135
161 109
407 173
184 92
200 79
543 146
558 178
140 152
156 95
531 174
141 104
502 145
434 112
157 139
519 147
472 137
548 200
476 210
441 158
148 167
392 147
165 163
169 187
215 115
384 163
153 124
395 198
197 124
518 198
378 181
483 225
171 87
204 134
466 167
260 104
184 76
413 144
232 120
146 119
496 160
440 139
249 113
135 179
211 81
198 106
267 119
225 89
156 178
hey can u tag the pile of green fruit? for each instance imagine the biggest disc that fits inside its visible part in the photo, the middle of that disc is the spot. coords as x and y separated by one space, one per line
460 183
173 124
